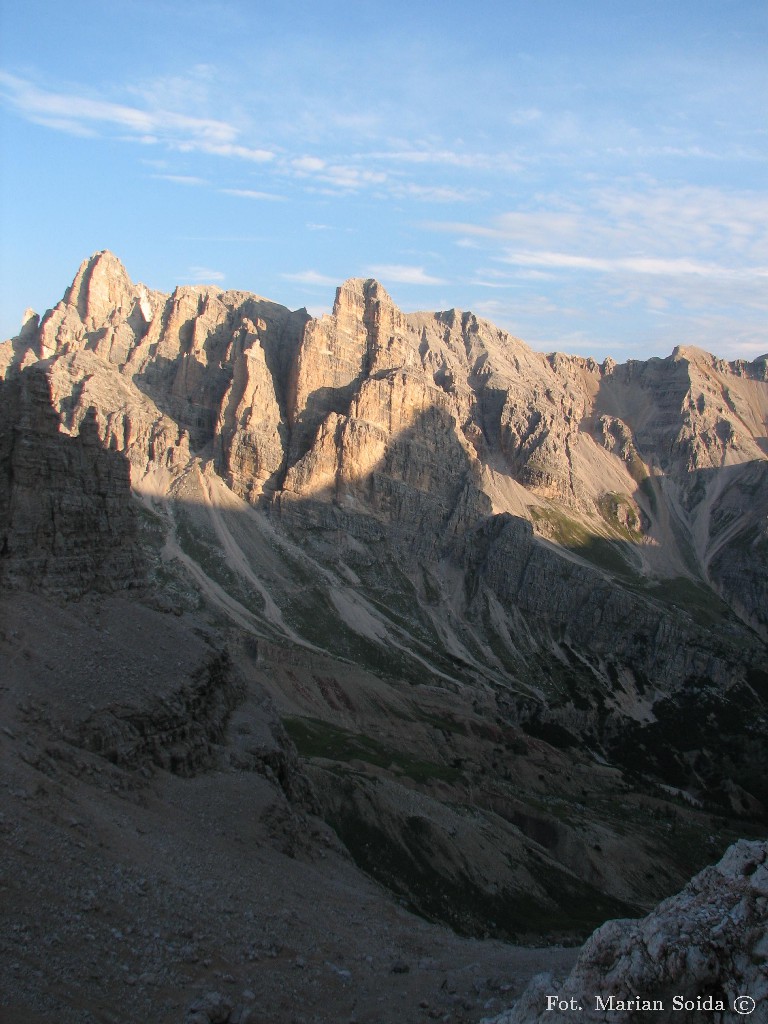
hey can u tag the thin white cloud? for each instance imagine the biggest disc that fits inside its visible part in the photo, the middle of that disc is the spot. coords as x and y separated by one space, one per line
648 263
401 274
64 124
474 161
188 91
348 178
697 249
633 264
436 193
336 177
360 173
226 149
157 117
79 114
478 282
249 193
655 222
181 179
206 275
311 277
308 164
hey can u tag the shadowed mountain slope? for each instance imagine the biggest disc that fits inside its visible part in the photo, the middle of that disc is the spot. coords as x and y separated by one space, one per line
511 607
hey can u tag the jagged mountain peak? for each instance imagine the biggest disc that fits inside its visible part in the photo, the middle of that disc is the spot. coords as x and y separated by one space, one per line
368 287
691 353
530 577
100 286
295 405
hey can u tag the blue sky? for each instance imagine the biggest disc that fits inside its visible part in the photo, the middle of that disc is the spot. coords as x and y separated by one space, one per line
589 174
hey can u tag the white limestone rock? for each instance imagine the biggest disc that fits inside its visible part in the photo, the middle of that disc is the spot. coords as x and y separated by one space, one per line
704 947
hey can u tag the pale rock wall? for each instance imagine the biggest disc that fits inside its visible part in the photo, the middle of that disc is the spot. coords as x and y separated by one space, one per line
67 524
709 940
418 420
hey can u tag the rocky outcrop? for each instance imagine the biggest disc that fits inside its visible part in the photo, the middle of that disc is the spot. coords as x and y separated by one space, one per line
170 375
565 561
67 524
178 732
570 599
699 956
737 560
563 525
284 402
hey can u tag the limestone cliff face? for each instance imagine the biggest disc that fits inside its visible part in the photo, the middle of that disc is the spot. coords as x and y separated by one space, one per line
259 387
424 421
170 374
67 524
515 579
737 554
592 533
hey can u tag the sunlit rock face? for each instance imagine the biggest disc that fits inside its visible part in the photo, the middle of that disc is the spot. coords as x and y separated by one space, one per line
573 556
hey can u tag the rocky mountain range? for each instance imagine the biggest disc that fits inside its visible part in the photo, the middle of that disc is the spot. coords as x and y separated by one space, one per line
498 618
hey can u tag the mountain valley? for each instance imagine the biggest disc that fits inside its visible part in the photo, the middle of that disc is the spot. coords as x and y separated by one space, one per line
374 636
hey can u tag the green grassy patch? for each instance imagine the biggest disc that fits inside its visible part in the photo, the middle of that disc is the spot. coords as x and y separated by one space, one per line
698 600
316 738
311 613
602 552
559 527
619 512
646 489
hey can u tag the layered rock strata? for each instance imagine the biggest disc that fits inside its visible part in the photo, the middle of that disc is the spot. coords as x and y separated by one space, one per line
67 524
569 555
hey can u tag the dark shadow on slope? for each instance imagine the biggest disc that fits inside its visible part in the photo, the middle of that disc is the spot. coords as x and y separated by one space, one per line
611 642
419 506
738 563
67 522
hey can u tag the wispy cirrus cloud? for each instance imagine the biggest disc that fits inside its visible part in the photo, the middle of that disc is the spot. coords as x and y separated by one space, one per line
335 175
655 222
398 273
361 172
85 115
181 179
465 159
653 232
436 193
205 275
632 264
311 277
308 164
250 193
159 116
658 264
